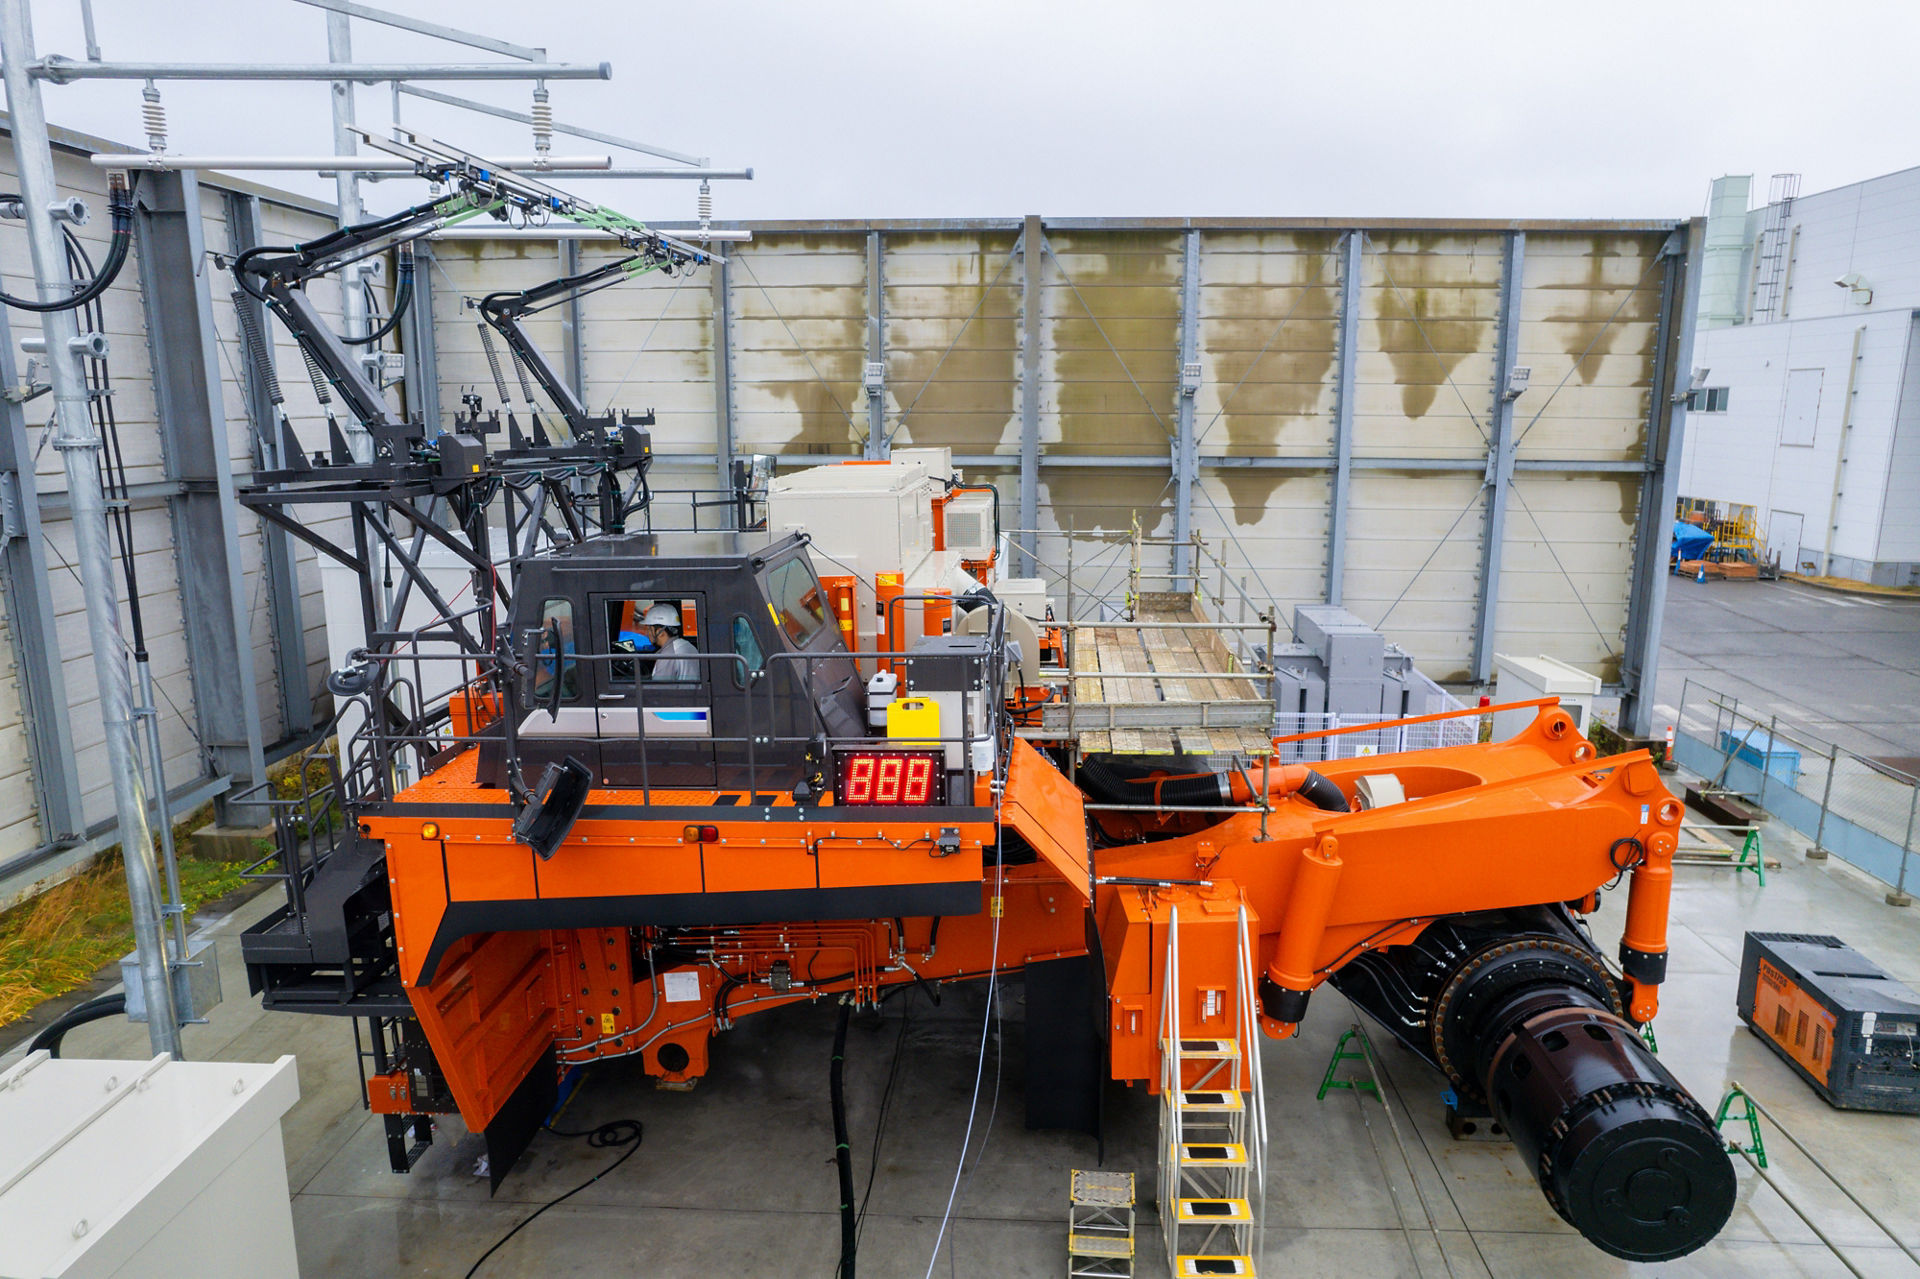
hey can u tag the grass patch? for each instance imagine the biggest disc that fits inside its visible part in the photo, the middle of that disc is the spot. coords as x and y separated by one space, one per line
56 942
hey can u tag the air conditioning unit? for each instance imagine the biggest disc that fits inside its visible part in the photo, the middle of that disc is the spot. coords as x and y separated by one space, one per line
969 525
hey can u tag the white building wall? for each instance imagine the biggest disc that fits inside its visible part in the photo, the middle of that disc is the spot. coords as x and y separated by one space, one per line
1900 513
1858 517
136 415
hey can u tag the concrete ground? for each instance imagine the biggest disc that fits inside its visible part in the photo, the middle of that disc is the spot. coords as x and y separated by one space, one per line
1845 666
736 1178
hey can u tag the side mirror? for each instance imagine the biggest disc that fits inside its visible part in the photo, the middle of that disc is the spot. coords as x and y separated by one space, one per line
554 806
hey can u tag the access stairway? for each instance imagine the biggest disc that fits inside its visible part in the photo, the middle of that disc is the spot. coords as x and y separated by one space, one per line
1213 1129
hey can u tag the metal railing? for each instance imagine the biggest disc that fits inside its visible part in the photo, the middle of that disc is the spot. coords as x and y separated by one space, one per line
1386 738
1858 808
382 752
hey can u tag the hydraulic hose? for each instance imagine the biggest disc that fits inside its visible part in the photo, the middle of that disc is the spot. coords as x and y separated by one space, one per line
92 1010
842 1152
402 295
1114 782
120 205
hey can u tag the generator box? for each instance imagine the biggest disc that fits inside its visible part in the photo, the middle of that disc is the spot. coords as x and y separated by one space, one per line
1848 1028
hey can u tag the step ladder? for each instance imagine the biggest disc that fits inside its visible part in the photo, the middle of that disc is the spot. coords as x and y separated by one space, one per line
1213 1128
1100 1226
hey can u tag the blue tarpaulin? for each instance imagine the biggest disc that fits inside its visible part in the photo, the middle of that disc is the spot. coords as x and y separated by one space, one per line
1690 541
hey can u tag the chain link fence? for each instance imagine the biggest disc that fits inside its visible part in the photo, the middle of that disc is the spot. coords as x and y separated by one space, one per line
1856 807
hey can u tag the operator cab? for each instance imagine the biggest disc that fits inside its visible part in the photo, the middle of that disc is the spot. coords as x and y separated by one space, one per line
689 661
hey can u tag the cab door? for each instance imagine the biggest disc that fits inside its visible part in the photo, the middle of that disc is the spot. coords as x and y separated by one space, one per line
558 720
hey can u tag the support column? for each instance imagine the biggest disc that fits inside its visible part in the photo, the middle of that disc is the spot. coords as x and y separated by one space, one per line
78 445
423 353
1032 255
346 187
281 565
722 329
1500 450
1666 431
1186 458
181 337
41 677
573 333
1341 486
875 380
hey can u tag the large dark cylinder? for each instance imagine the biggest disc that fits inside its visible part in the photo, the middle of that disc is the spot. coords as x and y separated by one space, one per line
1519 1010
1622 1151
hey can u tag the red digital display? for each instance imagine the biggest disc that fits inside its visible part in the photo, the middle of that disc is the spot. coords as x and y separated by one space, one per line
892 779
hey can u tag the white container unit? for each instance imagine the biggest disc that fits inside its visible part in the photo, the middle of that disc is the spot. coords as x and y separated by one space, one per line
1520 679
133 1170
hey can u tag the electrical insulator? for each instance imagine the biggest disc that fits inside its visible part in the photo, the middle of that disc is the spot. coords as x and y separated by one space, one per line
153 115
706 205
542 121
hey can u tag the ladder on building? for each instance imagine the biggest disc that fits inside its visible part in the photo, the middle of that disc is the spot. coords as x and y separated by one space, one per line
1776 249
1213 1128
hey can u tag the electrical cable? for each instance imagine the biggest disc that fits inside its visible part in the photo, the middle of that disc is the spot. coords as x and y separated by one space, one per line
120 205
92 1010
980 1067
608 1136
842 1152
883 1114
402 296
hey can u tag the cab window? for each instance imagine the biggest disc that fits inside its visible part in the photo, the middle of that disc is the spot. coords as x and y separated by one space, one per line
799 604
747 646
556 618
674 630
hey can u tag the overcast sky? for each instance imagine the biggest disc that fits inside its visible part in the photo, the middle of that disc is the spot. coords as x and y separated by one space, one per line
982 108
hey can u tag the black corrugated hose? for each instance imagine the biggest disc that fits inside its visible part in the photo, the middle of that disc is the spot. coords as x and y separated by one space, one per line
402 295
1116 782
842 1152
92 1010
120 204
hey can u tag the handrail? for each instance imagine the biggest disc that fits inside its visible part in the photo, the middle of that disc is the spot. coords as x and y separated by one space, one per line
1417 719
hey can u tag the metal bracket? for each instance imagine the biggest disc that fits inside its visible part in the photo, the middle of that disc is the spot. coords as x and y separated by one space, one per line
1190 378
13 522
876 376
1517 382
26 389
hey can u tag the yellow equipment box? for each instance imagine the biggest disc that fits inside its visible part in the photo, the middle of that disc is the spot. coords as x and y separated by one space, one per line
915 719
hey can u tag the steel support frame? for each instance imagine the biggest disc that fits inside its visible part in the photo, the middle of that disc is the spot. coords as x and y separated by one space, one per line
41 676
878 447
1339 497
78 444
1032 259
281 564
422 380
1502 444
184 348
1186 459
722 328
1659 487
573 333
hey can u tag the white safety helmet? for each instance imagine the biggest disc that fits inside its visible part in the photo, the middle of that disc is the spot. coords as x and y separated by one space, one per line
667 615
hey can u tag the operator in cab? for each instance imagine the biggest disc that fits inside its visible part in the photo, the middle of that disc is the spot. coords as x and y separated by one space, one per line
661 628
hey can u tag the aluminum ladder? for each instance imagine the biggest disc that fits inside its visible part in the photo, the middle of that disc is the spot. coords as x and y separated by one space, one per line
1213 1128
